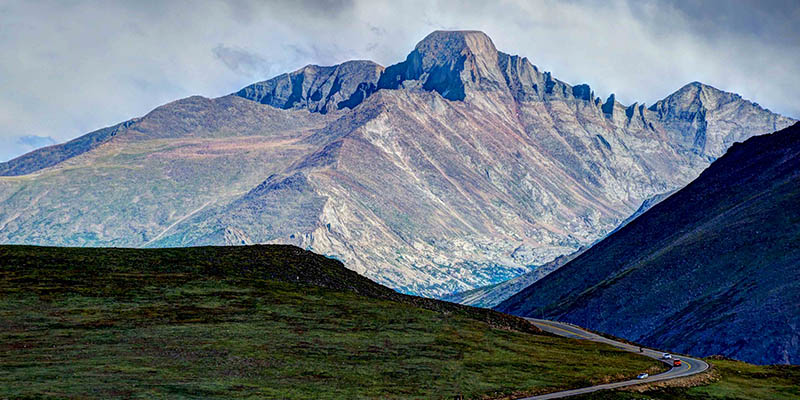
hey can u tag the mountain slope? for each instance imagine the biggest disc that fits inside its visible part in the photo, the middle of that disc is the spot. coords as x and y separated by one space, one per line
155 172
52 155
426 176
261 322
705 271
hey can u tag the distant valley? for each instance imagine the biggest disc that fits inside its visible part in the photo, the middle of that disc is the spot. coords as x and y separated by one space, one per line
492 295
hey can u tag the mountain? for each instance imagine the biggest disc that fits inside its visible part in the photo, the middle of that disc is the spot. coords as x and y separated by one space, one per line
262 321
713 269
459 167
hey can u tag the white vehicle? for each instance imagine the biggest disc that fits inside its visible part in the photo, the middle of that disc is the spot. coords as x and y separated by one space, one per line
667 356
642 376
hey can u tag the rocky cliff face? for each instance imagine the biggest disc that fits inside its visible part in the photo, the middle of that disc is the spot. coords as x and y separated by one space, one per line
452 64
427 176
697 109
318 89
705 271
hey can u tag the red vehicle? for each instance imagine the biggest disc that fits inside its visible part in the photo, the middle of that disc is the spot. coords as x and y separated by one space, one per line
676 363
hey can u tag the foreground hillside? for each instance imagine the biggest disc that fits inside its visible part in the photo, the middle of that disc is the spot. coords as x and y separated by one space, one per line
260 322
713 269
458 167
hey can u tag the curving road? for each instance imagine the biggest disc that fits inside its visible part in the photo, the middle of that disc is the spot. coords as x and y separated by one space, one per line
690 365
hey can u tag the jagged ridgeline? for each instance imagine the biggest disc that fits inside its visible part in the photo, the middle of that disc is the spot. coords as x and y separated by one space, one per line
459 167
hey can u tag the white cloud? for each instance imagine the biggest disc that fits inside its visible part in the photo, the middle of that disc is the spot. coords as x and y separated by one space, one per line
72 67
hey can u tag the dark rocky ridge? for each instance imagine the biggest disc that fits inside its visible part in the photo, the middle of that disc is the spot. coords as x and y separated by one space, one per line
712 269
455 63
316 88
450 63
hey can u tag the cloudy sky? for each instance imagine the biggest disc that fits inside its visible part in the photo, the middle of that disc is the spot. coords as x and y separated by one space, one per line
69 66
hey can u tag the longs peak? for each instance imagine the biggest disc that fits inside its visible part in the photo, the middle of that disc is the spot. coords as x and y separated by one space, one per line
447 45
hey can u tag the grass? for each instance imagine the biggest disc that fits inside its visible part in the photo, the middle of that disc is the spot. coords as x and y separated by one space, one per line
242 323
737 381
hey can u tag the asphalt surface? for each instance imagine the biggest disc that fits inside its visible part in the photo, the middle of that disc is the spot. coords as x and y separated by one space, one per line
690 365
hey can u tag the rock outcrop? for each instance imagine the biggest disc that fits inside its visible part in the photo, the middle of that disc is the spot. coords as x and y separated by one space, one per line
492 295
318 89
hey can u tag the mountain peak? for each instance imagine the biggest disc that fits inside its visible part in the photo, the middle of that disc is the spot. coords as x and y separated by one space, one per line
448 62
692 98
696 84
696 109
443 46
699 87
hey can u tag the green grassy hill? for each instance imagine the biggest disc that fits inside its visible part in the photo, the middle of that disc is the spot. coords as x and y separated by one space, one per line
260 322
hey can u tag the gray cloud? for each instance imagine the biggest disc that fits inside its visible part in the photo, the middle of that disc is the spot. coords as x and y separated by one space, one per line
35 141
72 67
240 60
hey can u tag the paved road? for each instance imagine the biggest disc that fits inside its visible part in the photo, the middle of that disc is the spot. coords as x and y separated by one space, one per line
690 365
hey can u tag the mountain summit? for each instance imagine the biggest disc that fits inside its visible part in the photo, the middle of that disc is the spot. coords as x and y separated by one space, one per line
459 167
703 115
451 63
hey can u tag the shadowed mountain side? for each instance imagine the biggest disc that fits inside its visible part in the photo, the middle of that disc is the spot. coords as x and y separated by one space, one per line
705 271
